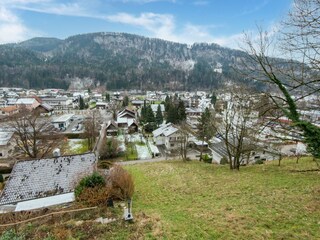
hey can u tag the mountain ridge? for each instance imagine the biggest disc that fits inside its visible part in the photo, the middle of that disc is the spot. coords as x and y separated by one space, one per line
117 61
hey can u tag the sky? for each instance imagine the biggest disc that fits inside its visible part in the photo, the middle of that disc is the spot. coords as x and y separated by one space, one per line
185 21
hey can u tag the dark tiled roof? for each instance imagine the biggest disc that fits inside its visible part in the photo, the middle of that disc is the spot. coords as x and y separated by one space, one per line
45 177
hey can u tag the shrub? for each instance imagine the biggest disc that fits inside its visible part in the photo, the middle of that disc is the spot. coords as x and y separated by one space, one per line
94 196
121 182
224 161
5 170
11 235
91 181
259 161
207 159
110 148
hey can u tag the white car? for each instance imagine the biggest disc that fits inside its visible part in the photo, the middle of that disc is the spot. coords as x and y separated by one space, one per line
74 129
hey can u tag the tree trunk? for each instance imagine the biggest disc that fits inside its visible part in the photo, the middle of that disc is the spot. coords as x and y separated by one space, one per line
201 150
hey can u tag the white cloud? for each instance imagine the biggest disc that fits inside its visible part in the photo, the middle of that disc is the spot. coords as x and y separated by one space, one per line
159 25
163 26
11 27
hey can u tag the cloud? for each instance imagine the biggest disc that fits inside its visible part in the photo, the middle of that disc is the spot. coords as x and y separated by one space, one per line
163 26
11 27
159 25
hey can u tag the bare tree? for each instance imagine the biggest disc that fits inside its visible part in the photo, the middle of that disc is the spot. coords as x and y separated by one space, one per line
237 126
34 136
91 124
114 107
291 80
184 139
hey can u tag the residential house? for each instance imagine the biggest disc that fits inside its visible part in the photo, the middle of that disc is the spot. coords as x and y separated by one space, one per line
102 105
63 121
167 135
45 109
219 151
58 103
8 111
137 103
193 112
158 137
29 103
112 128
154 108
42 183
3 102
126 119
6 144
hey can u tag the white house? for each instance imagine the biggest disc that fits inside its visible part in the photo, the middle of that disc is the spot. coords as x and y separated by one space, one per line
168 136
154 108
58 102
6 144
62 121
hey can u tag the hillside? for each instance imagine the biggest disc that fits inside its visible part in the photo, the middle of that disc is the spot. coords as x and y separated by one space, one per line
117 61
194 200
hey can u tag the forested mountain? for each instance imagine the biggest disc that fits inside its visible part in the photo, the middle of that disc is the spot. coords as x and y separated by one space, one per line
116 60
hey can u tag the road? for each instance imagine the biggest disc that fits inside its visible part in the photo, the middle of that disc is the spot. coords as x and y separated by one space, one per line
157 159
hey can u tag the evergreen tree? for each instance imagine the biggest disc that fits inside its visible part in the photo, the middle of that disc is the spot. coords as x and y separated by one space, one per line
107 97
150 115
125 101
81 103
159 117
167 103
205 130
213 99
172 114
143 112
181 111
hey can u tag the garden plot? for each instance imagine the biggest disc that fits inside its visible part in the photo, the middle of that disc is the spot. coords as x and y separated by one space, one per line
140 144
143 152
75 144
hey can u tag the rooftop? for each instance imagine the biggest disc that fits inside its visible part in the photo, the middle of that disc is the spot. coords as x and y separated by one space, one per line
26 101
63 118
5 138
45 177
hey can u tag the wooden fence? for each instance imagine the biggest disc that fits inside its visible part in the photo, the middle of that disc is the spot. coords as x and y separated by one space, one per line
49 216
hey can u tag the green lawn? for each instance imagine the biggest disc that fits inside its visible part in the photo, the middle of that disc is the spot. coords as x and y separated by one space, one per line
131 152
201 201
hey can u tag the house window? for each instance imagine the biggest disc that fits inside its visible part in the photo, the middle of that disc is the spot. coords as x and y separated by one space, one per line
253 153
171 145
257 157
1 154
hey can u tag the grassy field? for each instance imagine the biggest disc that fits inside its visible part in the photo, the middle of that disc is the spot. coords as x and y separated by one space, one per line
200 201
194 200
